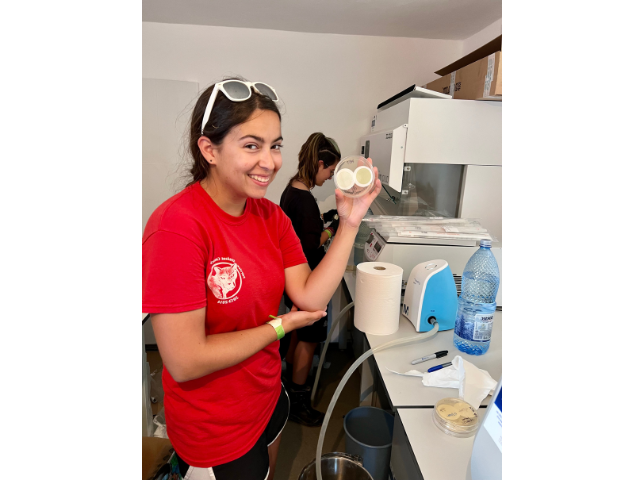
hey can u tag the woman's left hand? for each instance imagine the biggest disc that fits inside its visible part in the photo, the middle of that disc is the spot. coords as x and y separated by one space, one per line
352 210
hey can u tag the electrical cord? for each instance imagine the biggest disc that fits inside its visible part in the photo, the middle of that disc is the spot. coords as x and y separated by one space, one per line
393 199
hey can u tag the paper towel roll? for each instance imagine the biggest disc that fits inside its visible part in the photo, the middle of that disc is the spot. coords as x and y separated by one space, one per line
377 304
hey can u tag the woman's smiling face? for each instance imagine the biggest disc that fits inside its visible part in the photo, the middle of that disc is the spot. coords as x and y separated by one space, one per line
249 157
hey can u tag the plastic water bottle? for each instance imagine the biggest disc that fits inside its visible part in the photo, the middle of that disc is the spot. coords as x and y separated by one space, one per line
477 302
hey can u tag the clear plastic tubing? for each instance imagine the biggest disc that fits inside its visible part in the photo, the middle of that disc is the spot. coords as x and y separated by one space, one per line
334 323
345 379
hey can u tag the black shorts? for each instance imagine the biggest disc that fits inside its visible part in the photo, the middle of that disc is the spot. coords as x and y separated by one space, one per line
253 465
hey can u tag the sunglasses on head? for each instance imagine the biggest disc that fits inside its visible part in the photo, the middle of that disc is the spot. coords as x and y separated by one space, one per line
236 91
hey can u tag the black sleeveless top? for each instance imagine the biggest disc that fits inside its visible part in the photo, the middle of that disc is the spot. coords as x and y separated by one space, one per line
302 209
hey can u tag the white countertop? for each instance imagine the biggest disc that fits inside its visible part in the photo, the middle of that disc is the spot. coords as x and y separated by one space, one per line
409 391
439 456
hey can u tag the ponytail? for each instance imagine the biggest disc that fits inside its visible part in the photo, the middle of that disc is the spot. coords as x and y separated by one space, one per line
316 148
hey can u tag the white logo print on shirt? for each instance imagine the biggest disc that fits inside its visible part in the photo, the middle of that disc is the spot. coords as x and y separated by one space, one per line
225 279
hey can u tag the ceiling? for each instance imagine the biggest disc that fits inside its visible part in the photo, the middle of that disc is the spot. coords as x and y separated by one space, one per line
443 19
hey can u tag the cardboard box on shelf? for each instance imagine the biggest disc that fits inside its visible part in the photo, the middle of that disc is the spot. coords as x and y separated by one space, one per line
155 453
477 76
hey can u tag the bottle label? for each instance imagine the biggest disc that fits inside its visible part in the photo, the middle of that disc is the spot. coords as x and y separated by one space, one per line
482 327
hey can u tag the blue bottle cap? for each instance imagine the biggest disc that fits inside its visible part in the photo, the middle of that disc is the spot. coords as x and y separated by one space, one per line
485 243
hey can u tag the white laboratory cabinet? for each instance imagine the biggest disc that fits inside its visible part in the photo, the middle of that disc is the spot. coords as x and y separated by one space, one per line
460 132
429 144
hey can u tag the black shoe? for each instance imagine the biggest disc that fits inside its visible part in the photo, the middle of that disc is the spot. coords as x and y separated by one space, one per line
301 411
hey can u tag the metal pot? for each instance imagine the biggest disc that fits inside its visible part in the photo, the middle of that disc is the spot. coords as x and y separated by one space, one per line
337 466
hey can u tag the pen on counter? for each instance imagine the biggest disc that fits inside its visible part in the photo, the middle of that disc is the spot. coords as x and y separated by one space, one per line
438 367
439 354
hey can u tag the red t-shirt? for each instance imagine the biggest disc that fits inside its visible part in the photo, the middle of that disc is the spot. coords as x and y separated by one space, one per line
196 255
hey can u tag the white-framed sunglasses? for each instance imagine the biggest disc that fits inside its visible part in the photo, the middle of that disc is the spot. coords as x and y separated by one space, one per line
236 91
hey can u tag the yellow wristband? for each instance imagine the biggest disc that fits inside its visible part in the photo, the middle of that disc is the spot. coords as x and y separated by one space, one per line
277 325
328 232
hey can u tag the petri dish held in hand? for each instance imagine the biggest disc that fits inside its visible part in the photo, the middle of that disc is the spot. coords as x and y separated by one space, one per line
354 176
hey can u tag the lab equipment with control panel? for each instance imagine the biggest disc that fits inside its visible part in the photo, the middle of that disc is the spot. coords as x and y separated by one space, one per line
439 160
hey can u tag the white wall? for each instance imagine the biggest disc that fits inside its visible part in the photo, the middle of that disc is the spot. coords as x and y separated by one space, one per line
482 37
329 83
165 117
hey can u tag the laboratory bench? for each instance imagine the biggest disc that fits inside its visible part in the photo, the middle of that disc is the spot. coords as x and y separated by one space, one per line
419 450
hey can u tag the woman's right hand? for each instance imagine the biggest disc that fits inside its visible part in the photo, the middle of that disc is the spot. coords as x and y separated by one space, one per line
353 210
299 318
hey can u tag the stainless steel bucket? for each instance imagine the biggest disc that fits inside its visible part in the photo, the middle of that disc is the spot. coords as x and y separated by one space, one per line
336 466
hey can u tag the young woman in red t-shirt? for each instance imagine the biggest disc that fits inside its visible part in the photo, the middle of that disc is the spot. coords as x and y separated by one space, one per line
216 258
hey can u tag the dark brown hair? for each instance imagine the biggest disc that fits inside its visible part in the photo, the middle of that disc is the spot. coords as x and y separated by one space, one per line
224 116
316 148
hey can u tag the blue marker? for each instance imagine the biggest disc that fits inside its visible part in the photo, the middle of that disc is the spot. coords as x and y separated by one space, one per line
438 367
